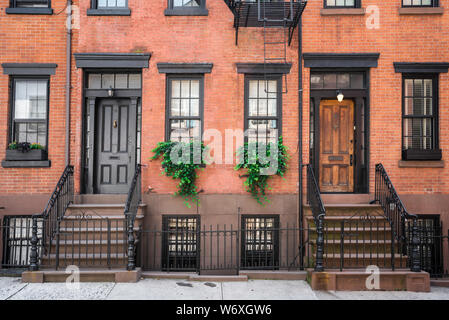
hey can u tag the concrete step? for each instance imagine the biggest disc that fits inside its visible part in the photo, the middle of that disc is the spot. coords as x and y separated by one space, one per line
346 198
100 198
101 209
348 210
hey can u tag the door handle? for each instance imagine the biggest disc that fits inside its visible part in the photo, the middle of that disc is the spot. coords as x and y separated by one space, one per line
115 124
351 158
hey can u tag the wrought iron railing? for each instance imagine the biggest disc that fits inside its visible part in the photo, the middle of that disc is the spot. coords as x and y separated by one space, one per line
397 215
131 208
319 213
51 217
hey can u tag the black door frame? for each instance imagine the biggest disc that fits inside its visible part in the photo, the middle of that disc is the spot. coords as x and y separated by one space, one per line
91 98
360 97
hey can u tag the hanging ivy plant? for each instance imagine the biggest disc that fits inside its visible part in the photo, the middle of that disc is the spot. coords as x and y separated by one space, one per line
180 160
260 168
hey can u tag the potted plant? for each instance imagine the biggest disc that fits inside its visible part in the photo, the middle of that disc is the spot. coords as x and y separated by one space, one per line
25 151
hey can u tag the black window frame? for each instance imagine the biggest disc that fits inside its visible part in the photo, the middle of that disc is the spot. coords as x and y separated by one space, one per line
275 242
13 9
169 117
278 117
434 3
357 4
193 264
11 123
422 154
94 10
186 11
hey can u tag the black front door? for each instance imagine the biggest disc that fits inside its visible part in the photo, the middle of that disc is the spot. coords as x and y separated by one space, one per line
115 141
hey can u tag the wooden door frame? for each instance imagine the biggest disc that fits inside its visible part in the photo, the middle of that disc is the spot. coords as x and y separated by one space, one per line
359 96
92 98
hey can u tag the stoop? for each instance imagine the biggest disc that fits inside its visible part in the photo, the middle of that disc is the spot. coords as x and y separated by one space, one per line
117 276
401 280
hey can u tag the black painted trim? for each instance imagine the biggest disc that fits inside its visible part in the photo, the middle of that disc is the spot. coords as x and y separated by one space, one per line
187 68
30 69
26 164
109 12
40 11
112 60
423 67
186 12
341 60
261 68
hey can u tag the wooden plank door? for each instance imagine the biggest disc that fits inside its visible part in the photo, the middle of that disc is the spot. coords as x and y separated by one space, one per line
336 146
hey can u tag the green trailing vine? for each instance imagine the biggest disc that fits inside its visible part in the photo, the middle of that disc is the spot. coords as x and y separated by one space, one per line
184 168
258 168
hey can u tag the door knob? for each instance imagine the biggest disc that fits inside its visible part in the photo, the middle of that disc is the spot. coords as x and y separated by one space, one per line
115 124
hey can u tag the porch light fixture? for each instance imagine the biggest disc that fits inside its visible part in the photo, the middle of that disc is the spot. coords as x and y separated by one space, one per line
340 96
110 92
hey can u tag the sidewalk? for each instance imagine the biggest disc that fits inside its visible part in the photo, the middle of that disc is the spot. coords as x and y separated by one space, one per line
149 289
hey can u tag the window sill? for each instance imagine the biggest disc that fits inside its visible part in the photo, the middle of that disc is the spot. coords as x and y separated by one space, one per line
421 164
421 11
343 12
108 12
26 164
47 11
187 12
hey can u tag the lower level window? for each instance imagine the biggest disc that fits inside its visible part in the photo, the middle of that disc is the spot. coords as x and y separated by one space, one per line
260 245
30 110
180 243
420 115
30 4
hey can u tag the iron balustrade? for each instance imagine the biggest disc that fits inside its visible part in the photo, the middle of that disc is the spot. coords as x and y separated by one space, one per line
319 214
222 250
51 217
397 215
131 208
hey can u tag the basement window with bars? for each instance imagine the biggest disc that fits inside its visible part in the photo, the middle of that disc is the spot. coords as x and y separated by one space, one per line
29 7
185 99
420 118
260 242
330 4
263 108
420 3
186 8
180 243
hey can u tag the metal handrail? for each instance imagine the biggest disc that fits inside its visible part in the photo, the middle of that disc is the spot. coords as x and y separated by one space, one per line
131 208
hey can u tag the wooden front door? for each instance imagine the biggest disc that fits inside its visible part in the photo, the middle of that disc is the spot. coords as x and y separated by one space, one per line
336 146
115 136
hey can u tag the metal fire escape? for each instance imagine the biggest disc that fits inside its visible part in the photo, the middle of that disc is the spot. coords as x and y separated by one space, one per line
278 18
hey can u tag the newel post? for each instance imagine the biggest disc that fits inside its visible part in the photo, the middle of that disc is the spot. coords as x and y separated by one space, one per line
34 266
415 256
131 244
319 245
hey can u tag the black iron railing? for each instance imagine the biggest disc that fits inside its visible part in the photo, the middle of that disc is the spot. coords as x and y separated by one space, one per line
319 213
131 208
397 215
224 249
50 218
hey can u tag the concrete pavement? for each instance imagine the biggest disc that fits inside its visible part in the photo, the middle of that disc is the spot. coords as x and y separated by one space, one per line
168 289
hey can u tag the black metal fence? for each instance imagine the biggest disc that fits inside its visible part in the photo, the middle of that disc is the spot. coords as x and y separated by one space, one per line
224 249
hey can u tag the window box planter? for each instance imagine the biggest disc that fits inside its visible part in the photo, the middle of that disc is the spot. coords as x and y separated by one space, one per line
417 154
32 155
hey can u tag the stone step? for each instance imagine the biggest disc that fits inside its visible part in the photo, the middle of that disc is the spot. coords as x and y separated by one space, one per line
101 209
349 210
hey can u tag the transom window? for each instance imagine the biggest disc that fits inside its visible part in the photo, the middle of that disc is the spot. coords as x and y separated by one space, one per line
30 3
263 109
111 4
30 110
337 80
114 81
420 112
342 3
185 108
420 3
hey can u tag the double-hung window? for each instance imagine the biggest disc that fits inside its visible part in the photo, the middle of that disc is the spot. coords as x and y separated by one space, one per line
184 107
29 7
186 7
263 95
420 3
420 117
109 8
29 116
342 4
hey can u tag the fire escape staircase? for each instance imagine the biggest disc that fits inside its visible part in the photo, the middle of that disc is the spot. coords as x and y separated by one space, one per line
278 18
